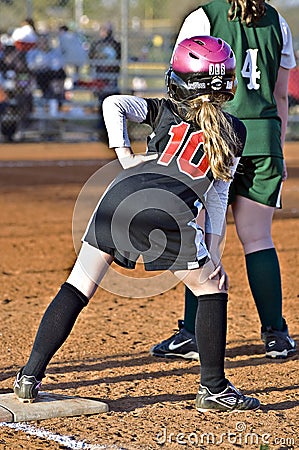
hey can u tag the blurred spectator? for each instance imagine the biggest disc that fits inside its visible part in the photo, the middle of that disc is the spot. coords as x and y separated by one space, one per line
293 87
74 54
16 90
25 36
12 59
105 54
1 47
46 63
3 97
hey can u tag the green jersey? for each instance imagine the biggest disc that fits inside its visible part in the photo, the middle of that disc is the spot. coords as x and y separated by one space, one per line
260 51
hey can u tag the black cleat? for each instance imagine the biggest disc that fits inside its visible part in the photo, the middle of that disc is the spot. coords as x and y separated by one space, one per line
26 388
278 344
181 344
228 400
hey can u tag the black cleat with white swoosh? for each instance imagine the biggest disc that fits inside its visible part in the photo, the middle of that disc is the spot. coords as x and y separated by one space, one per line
181 344
228 400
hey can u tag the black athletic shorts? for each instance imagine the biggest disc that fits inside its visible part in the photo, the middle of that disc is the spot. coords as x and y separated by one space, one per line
148 213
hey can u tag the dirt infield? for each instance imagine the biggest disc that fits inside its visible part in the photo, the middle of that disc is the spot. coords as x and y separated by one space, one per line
106 357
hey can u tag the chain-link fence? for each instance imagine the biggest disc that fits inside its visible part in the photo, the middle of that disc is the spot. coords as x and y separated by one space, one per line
56 69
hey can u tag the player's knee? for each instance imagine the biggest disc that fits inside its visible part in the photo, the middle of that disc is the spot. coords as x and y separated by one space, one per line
204 287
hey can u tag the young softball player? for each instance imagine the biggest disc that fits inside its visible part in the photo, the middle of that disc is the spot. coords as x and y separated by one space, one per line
150 209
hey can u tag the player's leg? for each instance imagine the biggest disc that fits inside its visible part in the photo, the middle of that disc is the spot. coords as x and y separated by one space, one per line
215 392
60 317
257 186
89 269
253 222
182 343
190 311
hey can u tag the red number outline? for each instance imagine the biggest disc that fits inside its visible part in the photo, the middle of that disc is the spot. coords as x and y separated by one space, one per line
187 152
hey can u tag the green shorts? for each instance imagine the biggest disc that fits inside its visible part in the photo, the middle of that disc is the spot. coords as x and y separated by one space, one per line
259 179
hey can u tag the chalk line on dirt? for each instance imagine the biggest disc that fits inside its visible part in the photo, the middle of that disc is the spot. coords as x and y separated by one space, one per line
66 441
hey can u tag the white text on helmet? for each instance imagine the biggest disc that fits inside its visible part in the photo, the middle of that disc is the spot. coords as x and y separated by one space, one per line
196 85
216 69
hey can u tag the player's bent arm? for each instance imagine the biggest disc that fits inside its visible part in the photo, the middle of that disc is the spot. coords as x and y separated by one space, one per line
215 245
215 225
117 109
281 98
216 203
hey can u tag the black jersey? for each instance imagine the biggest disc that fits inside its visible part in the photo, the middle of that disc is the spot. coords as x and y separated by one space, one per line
149 209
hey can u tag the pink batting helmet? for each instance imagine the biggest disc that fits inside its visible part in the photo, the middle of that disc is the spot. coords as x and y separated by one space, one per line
201 65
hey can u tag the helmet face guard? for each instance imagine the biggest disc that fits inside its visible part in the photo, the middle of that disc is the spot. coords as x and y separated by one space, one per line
201 65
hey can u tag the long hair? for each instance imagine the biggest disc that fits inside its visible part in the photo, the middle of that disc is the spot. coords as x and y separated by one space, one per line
220 141
249 11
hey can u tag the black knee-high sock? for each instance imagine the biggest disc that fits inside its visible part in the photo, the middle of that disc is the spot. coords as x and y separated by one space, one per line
190 310
263 273
210 332
54 328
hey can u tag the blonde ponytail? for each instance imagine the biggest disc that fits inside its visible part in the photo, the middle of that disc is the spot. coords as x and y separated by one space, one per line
220 141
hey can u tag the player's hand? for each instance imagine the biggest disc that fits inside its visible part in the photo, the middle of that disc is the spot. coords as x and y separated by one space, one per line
134 160
222 275
128 159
